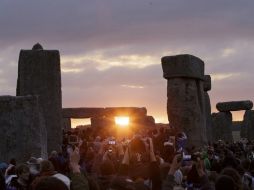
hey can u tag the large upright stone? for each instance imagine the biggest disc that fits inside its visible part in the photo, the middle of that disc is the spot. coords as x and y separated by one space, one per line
66 124
144 122
207 87
222 123
207 83
248 125
234 105
185 92
22 127
39 74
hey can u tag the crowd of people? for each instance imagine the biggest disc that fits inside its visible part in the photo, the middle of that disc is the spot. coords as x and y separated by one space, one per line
147 159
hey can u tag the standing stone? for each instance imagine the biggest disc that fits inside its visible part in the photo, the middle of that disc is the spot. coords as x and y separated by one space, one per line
222 123
102 123
143 122
207 83
185 92
248 125
23 128
39 74
207 87
236 130
243 130
67 124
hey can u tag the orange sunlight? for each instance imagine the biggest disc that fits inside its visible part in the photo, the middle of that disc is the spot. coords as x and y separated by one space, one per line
237 115
122 121
77 122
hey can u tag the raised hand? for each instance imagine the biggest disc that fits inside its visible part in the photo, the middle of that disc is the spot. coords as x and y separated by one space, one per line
176 164
200 167
74 161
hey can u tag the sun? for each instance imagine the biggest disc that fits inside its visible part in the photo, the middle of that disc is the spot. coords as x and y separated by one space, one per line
122 121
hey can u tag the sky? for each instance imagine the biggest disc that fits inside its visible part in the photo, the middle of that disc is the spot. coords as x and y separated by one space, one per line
111 50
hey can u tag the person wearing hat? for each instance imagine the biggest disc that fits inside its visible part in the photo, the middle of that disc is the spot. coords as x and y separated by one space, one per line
47 170
33 165
23 179
136 166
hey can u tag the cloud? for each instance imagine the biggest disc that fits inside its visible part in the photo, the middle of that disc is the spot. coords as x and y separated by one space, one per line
115 76
89 25
71 70
131 86
111 51
222 76
228 52
102 61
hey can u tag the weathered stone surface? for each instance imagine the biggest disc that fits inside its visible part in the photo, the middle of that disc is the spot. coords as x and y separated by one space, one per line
106 124
150 121
208 115
222 123
236 128
147 121
125 111
244 131
182 66
22 127
185 92
82 112
66 124
104 118
186 109
207 87
103 123
207 83
247 129
39 74
234 105
100 112
37 47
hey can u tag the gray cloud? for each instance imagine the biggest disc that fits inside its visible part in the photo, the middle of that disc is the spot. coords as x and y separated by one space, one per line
97 24
220 32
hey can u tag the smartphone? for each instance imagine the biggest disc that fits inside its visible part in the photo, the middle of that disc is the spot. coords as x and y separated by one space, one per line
186 157
112 142
73 139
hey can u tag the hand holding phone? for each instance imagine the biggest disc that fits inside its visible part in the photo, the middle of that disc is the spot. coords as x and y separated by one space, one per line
112 142
70 150
200 166
187 157
176 164
74 160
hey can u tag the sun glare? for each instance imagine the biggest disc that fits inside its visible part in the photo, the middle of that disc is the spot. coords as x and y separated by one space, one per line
122 121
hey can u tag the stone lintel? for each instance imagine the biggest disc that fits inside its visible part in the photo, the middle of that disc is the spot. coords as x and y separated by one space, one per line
82 112
125 111
100 112
234 105
184 65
